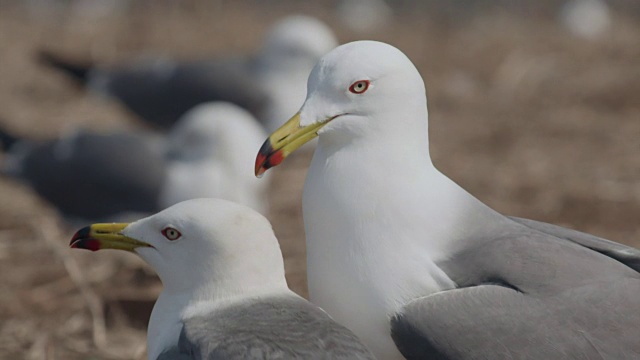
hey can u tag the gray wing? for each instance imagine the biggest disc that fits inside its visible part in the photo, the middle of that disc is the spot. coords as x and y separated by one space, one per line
161 91
174 354
625 254
528 294
94 176
270 328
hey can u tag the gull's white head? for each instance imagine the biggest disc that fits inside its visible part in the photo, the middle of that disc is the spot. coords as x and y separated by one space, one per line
209 154
357 84
209 247
364 90
214 130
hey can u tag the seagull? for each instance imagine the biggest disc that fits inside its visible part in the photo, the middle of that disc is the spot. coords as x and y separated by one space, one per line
225 295
270 84
111 176
209 153
413 263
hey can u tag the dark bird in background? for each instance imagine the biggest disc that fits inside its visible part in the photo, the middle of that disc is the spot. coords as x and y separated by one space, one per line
159 90
112 176
90 175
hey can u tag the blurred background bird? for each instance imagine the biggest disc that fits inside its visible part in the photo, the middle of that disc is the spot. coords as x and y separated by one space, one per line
115 176
269 83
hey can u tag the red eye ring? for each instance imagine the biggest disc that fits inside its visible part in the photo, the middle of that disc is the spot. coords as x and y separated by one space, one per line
171 233
359 86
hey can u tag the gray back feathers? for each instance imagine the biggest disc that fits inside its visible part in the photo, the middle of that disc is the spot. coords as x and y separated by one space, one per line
536 291
283 327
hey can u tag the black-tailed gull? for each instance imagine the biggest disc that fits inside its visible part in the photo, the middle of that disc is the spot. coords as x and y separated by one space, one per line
225 295
208 153
270 84
409 260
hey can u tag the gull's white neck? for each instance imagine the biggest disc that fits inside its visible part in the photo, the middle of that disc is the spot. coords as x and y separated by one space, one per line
171 308
378 217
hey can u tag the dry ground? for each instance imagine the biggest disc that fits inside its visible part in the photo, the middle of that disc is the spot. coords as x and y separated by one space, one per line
528 118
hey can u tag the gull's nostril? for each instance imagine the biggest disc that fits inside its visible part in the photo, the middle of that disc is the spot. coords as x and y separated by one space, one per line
284 137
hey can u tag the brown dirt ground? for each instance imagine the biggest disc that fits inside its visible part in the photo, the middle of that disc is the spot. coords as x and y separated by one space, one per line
528 118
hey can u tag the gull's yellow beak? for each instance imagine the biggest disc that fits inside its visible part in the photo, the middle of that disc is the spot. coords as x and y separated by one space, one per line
105 236
284 141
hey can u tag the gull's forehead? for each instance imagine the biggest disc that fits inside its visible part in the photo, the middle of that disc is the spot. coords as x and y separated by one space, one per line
359 60
217 216
206 210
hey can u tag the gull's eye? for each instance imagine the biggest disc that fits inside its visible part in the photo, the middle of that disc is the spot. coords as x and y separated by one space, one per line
171 233
359 86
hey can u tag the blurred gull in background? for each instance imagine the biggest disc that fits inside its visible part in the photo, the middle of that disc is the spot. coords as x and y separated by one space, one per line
270 84
208 153
92 175
364 16
225 295
587 19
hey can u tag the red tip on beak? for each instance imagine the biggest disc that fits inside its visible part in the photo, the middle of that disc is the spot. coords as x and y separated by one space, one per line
88 244
267 158
260 160
83 240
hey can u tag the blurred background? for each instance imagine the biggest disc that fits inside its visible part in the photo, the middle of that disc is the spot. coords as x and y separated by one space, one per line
534 108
